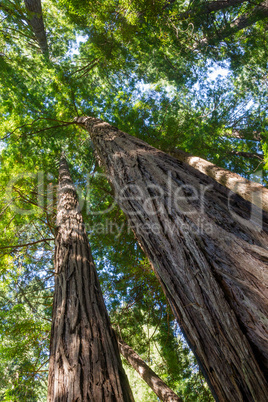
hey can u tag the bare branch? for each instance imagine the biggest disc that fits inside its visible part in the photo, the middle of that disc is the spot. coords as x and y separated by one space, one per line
159 387
15 246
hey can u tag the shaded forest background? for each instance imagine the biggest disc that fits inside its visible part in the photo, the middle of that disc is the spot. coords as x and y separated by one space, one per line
178 75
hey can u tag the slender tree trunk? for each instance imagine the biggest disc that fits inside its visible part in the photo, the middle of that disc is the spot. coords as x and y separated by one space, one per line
249 190
84 358
208 252
35 18
259 13
160 388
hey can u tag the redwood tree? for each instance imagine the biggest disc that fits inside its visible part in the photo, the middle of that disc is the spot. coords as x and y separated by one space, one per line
208 248
84 358
159 387
35 15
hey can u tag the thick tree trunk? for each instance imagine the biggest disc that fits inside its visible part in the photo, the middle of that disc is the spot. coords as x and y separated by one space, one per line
84 358
35 18
160 388
249 190
209 256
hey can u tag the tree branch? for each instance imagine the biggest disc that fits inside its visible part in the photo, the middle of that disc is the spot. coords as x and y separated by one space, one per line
159 387
209 7
27 244
36 132
259 13
247 154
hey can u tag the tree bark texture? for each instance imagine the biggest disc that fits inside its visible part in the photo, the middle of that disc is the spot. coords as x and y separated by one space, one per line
84 362
249 190
208 254
35 19
159 387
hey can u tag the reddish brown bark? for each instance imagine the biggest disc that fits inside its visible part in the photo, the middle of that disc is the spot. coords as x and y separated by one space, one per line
84 358
159 387
210 258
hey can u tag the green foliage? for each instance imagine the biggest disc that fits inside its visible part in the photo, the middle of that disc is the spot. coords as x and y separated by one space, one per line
24 330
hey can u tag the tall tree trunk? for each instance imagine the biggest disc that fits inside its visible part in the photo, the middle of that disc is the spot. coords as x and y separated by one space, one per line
35 18
210 258
160 388
84 362
249 190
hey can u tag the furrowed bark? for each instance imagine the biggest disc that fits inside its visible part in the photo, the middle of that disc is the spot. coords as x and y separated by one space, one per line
35 18
208 248
160 388
249 190
84 362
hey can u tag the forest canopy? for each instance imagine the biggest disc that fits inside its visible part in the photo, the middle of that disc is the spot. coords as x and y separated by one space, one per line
189 76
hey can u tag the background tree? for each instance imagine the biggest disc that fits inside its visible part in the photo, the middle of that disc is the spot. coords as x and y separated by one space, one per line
84 356
34 10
